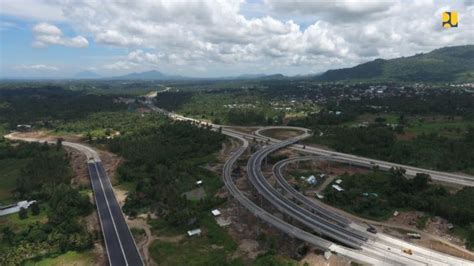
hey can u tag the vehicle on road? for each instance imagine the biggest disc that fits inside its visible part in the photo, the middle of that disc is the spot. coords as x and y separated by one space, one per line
407 251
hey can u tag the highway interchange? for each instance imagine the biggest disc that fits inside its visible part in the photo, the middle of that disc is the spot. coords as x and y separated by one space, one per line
316 225
373 249
379 249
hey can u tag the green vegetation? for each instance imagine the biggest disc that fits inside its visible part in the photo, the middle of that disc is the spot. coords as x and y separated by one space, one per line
378 194
213 247
53 227
16 224
164 163
106 124
49 106
233 107
68 258
9 173
445 64
380 142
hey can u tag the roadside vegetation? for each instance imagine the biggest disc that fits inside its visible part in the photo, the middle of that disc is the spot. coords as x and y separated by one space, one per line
232 107
52 226
377 195
165 163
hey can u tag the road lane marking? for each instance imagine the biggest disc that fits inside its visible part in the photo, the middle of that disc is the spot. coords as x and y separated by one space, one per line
111 216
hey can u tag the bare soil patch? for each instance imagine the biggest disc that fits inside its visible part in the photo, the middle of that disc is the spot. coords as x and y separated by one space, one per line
110 162
281 133
406 136
79 166
316 258
248 130
48 136
144 243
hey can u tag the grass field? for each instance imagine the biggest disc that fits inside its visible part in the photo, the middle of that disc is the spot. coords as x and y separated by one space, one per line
9 172
17 224
213 247
68 258
450 129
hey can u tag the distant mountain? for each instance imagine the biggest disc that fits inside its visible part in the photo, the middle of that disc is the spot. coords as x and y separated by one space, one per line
250 76
86 75
253 76
157 75
149 75
446 64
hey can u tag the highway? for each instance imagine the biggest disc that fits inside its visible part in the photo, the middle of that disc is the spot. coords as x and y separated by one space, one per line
291 230
315 222
119 242
290 190
373 258
379 250
380 241
452 178
385 251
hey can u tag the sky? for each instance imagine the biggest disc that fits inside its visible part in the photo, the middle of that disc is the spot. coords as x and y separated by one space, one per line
59 38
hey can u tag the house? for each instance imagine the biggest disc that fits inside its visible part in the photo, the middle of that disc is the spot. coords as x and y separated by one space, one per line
339 181
194 232
5 210
23 127
338 188
216 212
414 235
311 180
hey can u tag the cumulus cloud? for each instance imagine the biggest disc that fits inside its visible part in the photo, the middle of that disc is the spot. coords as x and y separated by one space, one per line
38 67
44 10
47 34
290 36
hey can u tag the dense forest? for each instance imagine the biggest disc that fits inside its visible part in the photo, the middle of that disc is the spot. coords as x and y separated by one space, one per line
429 151
164 163
45 177
46 106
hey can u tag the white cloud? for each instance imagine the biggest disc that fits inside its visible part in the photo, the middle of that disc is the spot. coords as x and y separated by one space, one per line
289 36
38 67
47 34
44 10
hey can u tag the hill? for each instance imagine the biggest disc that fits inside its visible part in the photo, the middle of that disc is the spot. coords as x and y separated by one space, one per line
86 75
448 64
149 75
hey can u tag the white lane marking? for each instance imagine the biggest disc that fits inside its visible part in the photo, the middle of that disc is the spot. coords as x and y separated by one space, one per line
100 219
139 255
111 216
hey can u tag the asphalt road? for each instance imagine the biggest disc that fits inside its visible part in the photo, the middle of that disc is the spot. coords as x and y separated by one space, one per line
119 242
315 222
285 227
383 250
452 178
297 196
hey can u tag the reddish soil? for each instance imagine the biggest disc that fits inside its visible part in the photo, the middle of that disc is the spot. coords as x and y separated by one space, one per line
78 164
281 133
111 162
406 136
